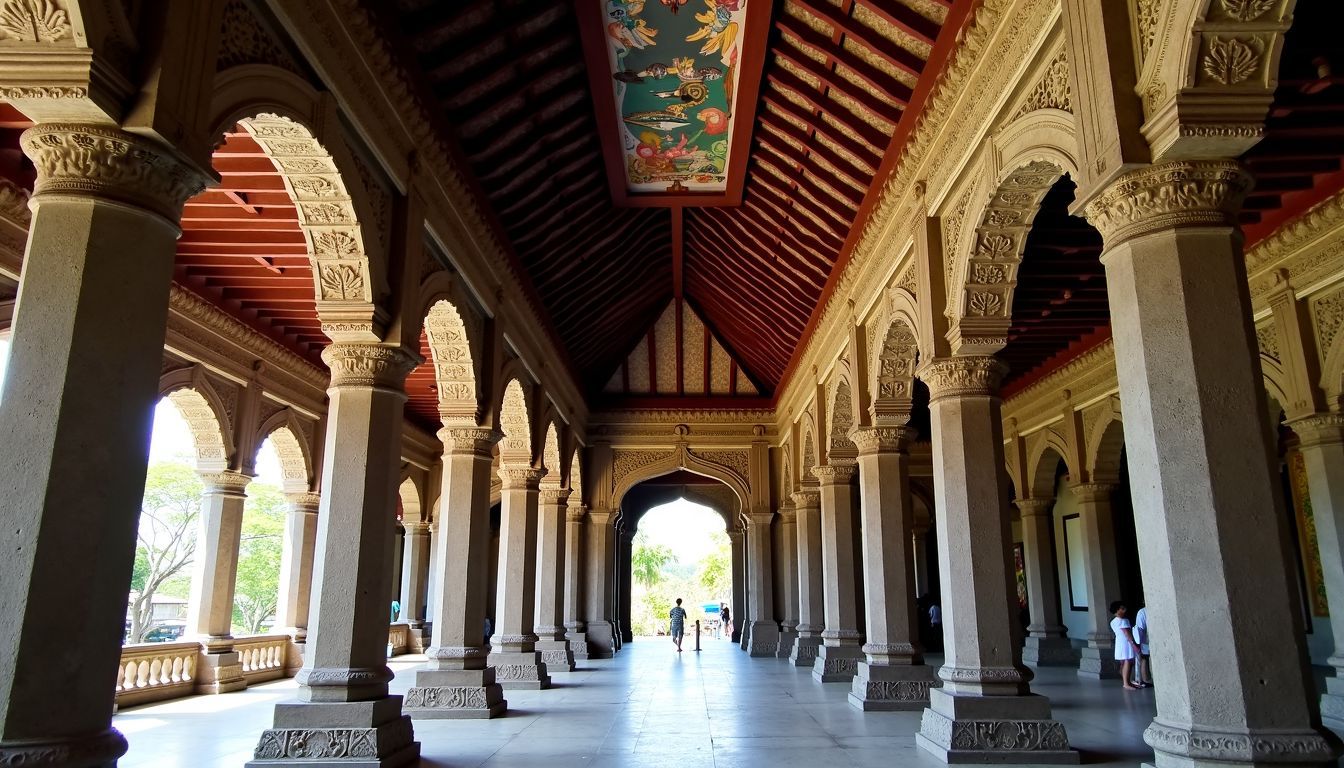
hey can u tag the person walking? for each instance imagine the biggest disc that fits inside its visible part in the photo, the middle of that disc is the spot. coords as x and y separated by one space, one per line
726 619
1126 650
678 628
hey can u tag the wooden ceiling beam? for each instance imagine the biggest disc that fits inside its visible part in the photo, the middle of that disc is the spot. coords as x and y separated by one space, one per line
894 90
772 124
905 18
860 149
768 184
860 33
783 236
787 81
808 169
728 237
878 103
793 180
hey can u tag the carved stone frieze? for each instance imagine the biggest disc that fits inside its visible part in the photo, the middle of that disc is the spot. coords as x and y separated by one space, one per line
446 697
243 40
368 365
100 749
888 439
1267 340
833 474
1319 429
98 161
479 441
334 743
738 461
1053 90
839 665
806 499
1300 747
521 478
962 376
34 21
517 671
894 367
1169 195
626 462
554 496
898 690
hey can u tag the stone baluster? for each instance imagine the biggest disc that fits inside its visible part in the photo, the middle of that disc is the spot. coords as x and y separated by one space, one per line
892 675
550 627
456 682
985 689
575 628
1046 643
343 696
214 574
513 651
811 596
296 573
788 568
1212 542
79 400
1103 578
840 651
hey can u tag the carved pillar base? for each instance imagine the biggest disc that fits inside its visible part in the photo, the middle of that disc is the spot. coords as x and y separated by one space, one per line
1182 747
764 639
455 694
219 672
1049 651
837 663
788 635
578 643
97 751
601 640
557 655
887 687
804 651
1098 660
520 671
993 729
373 734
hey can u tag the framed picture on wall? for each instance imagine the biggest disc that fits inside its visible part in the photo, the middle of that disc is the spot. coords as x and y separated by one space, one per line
1075 567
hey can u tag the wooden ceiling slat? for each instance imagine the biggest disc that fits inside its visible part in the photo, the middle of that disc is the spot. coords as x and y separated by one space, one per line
794 178
868 152
712 260
771 124
884 83
811 172
612 231
905 18
770 184
789 230
578 210
760 232
790 82
728 235
863 35
878 106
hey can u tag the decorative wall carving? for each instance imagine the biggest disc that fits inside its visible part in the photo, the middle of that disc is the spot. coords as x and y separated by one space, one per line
1053 91
446 697
738 461
368 365
454 366
33 21
1327 313
1169 195
962 376
626 462
243 40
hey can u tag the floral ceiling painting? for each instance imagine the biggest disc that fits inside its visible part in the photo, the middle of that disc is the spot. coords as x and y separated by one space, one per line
674 70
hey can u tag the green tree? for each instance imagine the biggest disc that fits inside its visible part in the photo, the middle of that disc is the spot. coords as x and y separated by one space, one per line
715 574
257 587
648 561
166 540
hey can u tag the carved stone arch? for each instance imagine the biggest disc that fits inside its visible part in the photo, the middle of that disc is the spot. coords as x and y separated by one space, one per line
893 371
840 418
1107 444
516 447
1043 464
412 499
285 432
575 476
190 391
786 476
456 370
550 455
678 460
924 495
1276 381
809 455
298 130
731 512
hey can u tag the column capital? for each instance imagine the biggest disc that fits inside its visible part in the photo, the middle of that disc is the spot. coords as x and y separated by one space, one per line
369 365
835 474
735 536
968 375
227 483
575 513
1092 491
105 162
1034 507
415 527
788 515
761 517
807 498
1319 429
555 496
474 441
521 478
306 502
600 516
881 439
1176 194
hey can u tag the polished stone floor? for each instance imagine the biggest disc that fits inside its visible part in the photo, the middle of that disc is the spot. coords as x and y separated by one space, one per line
648 707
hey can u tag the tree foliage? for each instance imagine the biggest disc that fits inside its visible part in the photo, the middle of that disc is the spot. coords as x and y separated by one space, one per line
715 574
166 540
257 588
649 560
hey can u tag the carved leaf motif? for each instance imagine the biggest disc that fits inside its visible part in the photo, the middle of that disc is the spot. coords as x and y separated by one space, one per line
995 246
33 21
990 273
985 304
1247 10
1230 61
342 282
335 245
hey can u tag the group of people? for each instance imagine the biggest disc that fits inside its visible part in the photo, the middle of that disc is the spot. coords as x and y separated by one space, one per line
1131 645
677 622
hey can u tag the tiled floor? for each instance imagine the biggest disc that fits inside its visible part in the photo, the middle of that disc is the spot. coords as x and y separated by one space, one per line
648 707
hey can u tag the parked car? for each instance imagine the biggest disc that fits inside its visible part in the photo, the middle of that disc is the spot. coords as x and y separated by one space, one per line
167 632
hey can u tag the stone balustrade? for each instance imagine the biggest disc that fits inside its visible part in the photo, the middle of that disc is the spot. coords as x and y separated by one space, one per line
263 657
156 672
398 640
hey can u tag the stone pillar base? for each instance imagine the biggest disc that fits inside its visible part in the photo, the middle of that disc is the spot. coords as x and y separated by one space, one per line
357 734
883 688
993 729
520 671
600 643
1050 651
804 651
99 750
787 636
764 639
1193 747
419 639
745 640
1098 663
219 673
837 663
556 654
455 694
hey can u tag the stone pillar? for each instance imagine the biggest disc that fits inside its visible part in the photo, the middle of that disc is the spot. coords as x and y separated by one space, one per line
210 607
343 697
296 573
985 693
840 651
739 606
78 407
1046 642
456 683
513 651
1227 648
395 565
625 551
892 675
811 597
415 581
601 561
764 628
550 609
433 587
919 543
572 602
1103 579
788 555
1321 441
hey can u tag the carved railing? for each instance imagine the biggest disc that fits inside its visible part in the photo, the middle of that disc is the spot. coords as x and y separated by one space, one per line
398 639
263 657
156 671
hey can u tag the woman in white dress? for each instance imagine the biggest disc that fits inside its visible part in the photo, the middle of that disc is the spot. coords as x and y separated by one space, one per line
1126 650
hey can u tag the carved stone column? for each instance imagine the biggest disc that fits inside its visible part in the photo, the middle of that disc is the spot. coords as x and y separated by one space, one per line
1321 439
811 594
296 573
788 555
919 542
840 652
1046 642
79 402
625 552
343 697
572 602
985 693
456 683
214 573
601 562
415 580
513 651
893 675
739 607
1103 578
550 609
1211 538
764 629
434 587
